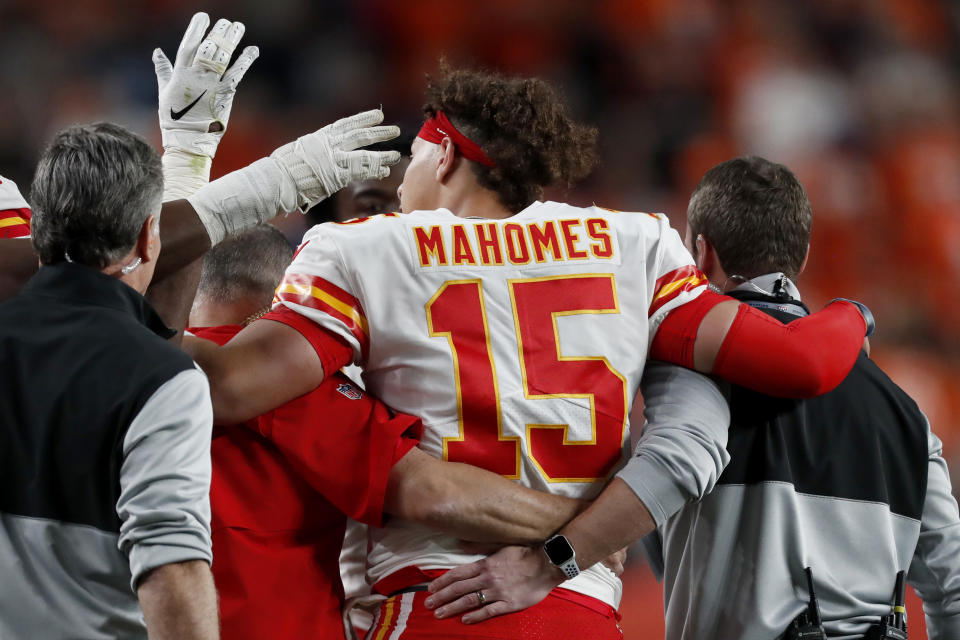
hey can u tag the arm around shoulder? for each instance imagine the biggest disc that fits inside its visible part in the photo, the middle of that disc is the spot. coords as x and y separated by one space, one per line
808 357
264 366
682 449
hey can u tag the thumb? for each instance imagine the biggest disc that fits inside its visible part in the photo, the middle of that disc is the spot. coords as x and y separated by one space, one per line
163 68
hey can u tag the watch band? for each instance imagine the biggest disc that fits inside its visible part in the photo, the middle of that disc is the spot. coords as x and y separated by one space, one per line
570 568
560 553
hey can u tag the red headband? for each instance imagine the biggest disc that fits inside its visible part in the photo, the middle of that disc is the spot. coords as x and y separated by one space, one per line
439 127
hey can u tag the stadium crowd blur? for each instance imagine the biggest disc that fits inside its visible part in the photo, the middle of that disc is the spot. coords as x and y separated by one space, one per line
860 98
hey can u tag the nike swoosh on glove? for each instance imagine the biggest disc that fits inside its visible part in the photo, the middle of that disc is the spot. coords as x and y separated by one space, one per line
196 92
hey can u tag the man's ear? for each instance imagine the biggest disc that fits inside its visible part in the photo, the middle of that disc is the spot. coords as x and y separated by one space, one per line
446 158
806 256
708 262
705 255
148 236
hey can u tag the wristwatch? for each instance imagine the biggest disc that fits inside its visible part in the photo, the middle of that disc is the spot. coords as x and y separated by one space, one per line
560 552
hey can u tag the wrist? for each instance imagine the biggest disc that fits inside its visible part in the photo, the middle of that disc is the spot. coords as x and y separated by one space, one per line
200 141
550 573
559 552
184 172
244 198
864 311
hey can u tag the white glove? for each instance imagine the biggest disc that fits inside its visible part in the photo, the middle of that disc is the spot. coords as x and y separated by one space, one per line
196 96
325 161
298 174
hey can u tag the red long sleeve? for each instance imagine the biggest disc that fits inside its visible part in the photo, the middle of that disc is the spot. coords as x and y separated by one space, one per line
805 358
334 352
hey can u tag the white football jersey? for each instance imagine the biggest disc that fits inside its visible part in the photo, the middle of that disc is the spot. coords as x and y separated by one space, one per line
14 211
519 342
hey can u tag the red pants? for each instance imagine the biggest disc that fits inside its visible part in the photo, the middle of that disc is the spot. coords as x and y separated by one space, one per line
404 617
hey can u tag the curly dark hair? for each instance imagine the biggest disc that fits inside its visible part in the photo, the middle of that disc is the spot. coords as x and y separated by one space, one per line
521 124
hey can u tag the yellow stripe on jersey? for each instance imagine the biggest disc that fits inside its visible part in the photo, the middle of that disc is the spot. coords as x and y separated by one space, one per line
387 618
667 289
9 222
304 289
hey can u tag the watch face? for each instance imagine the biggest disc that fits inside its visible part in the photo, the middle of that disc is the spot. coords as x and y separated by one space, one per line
558 550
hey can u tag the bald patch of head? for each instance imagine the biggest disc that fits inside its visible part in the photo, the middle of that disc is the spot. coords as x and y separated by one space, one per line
248 265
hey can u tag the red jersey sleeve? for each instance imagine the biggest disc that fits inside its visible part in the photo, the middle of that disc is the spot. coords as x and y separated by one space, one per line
333 351
344 442
318 286
808 357
14 211
673 280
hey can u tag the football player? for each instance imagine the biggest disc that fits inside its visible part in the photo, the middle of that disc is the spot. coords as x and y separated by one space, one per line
517 330
283 485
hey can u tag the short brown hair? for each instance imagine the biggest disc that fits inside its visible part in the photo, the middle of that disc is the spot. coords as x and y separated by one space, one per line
756 215
521 124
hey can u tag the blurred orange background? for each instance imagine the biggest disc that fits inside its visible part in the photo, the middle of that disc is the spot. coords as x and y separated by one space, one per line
858 97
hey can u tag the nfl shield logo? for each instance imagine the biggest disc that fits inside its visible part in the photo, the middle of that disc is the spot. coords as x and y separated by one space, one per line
350 391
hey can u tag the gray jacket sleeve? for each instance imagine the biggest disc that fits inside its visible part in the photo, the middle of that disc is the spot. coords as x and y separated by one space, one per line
935 568
164 503
683 447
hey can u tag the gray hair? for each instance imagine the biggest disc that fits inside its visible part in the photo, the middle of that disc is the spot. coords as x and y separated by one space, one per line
94 187
248 264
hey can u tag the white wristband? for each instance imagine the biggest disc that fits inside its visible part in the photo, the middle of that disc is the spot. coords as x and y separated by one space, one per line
244 198
183 173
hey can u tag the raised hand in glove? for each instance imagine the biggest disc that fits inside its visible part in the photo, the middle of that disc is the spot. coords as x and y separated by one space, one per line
297 175
196 96
325 161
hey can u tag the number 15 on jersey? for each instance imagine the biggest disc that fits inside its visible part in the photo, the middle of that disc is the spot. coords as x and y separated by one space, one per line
457 311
